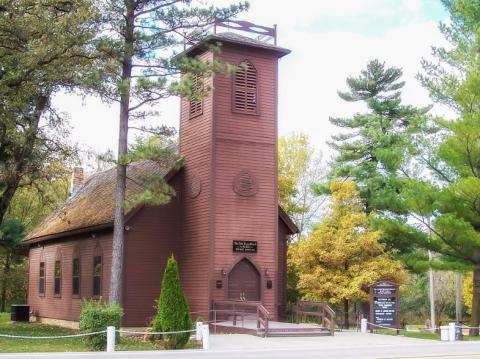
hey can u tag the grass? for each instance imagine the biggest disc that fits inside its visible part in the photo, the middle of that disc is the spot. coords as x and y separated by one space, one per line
11 345
420 335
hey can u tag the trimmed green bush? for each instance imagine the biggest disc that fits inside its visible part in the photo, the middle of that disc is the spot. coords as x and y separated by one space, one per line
173 313
96 316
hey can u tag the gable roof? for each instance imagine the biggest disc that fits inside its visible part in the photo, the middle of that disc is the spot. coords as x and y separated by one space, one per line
92 205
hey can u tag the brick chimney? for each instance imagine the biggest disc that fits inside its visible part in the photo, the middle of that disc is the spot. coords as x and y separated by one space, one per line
77 179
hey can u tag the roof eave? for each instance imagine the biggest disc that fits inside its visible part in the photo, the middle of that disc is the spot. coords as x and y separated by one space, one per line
67 233
291 226
200 47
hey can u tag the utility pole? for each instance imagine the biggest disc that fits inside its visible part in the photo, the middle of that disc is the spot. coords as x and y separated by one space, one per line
458 296
432 293
430 282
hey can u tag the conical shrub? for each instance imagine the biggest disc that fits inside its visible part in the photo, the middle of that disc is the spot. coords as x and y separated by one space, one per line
173 313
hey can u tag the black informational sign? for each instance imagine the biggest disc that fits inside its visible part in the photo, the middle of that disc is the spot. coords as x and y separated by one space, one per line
384 304
384 311
245 246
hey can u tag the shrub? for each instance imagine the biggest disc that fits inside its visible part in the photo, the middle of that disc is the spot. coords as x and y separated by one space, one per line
173 313
97 316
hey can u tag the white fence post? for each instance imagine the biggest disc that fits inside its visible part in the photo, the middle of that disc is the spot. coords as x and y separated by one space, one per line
110 339
198 331
363 325
451 332
205 336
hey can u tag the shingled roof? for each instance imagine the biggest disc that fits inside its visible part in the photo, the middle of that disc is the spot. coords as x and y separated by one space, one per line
92 205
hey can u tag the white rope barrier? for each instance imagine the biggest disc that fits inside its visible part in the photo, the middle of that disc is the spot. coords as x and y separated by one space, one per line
154 333
400 329
51 337
202 332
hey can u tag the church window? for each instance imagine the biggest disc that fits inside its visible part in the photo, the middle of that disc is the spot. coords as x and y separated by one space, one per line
97 276
41 279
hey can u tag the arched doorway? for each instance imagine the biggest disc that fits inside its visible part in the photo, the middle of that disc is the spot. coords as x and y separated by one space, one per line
244 282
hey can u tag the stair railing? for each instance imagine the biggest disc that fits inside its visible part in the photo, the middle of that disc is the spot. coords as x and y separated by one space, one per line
263 316
323 314
225 309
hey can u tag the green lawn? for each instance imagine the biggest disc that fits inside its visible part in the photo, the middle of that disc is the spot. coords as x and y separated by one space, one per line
420 335
10 345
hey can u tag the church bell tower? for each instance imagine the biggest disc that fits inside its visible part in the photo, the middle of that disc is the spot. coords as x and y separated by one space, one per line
230 229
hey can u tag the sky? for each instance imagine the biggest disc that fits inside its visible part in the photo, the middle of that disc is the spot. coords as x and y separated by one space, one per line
330 40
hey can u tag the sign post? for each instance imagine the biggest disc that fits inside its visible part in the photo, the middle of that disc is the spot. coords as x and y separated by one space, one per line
384 305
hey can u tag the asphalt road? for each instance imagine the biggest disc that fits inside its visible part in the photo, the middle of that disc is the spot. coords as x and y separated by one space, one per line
339 347
447 351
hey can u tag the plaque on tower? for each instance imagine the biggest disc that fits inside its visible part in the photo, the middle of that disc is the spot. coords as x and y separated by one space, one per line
195 185
245 184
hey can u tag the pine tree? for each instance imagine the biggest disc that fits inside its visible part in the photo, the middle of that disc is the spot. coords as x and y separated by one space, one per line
173 313
375 147
139 68
343 256
447 204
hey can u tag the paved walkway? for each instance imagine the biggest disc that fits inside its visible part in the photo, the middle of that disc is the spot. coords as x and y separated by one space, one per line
344 345
340 339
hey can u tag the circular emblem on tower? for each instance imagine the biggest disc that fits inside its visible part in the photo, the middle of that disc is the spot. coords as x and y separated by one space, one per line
195 185
245 184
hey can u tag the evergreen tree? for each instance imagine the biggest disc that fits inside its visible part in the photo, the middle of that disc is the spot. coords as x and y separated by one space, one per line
138 71
173 313
447 205
376 147
448 209
11 235
343 256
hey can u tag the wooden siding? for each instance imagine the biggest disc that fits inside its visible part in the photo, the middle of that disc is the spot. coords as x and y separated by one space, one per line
66 307
153 237
196 150
246 141
282 270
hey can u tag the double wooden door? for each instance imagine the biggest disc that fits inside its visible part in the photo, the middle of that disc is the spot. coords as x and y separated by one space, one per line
244 282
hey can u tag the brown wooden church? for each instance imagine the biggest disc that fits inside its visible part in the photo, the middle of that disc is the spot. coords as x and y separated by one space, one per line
224 226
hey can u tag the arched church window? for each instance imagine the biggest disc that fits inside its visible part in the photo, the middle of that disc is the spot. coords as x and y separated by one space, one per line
57 274
245 88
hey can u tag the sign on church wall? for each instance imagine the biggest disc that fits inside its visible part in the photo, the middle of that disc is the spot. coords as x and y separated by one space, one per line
245 246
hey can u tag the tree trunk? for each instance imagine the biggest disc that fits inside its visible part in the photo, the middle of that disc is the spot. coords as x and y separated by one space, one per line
345 308
6 272
119 218
476 300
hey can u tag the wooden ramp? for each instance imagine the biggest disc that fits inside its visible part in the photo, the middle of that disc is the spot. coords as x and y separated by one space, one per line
275 329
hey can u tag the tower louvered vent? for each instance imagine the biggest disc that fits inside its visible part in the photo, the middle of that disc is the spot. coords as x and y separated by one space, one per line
245 88
196 105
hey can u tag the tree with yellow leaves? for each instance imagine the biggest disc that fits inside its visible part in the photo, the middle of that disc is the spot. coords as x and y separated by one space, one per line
343 256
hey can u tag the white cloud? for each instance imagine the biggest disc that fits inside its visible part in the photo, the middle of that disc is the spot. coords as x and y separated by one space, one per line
310 76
